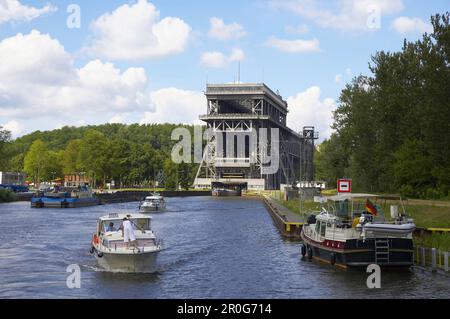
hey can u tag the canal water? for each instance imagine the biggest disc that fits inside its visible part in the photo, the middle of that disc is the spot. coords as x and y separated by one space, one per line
214 248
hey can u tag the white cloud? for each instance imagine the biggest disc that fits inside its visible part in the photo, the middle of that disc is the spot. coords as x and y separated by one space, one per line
14 11
298 29
219 60
308 108
348 15
118 118
135 32
348 72
14 127
405 25
172 105
45 90
348 75
294 46
44 84
220 30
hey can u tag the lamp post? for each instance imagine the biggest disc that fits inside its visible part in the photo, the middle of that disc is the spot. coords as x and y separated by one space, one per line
300 195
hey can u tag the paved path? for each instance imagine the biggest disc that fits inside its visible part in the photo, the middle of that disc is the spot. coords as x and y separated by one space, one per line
290 216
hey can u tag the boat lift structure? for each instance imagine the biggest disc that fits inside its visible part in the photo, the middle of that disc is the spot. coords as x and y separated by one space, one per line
243 111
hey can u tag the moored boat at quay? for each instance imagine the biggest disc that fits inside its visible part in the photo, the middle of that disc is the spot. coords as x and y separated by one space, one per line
226 192
65 198
353 232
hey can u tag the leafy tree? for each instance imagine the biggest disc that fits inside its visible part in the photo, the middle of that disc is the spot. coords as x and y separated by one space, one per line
392 128
36 162
5 137
170 174
71 157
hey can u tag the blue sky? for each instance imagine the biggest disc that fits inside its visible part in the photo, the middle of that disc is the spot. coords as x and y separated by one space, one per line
306 49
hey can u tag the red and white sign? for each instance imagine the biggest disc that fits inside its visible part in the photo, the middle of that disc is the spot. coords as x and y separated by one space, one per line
344 185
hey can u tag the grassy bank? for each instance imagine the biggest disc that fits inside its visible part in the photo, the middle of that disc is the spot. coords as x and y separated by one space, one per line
436 240
6 196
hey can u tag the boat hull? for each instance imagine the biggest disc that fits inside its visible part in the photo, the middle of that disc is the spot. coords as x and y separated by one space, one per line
152 209
139 262
227 192
48 202
359 253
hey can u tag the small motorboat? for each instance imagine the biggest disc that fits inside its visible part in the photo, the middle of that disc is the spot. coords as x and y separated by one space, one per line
113 254
153 203
353 232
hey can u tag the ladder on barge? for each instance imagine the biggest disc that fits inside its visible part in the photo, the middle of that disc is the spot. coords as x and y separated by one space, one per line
382 251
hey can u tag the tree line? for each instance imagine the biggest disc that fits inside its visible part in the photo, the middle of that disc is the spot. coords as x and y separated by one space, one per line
131 155
392 128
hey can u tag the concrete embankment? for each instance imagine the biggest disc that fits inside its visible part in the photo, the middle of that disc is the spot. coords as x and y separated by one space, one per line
124 196
288 223
136 195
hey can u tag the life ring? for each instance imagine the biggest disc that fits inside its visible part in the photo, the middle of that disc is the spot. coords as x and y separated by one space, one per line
310 252
303 250
95 240
332 259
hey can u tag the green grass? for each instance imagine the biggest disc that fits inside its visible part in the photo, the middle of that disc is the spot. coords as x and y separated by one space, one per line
294 206
430 216
436 240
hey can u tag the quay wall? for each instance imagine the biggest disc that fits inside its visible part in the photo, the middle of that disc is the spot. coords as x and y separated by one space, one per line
136 195
125 196
287 228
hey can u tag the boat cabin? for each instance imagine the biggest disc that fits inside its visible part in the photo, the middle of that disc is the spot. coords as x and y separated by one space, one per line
113 223
109 231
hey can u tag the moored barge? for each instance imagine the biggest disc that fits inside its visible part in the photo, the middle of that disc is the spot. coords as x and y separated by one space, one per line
353 232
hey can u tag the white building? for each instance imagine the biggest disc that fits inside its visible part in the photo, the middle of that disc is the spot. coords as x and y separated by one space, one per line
9 178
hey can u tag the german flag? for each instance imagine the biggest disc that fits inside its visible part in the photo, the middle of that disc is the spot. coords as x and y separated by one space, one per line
371 208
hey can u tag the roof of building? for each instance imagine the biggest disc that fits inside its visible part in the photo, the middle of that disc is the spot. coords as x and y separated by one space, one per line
244 88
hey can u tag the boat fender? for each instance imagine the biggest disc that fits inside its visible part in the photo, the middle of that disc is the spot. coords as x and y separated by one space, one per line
310 252
92 250
332 259
99 254
303 250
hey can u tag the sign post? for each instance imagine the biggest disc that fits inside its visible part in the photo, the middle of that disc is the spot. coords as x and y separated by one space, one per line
344 186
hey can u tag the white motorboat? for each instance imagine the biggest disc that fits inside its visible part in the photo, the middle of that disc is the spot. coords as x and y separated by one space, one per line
113 254
153 203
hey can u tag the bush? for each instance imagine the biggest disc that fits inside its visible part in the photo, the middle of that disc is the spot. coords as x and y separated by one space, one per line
6 195
407 191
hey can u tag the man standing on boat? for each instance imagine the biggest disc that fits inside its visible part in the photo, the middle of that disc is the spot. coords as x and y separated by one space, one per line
128 232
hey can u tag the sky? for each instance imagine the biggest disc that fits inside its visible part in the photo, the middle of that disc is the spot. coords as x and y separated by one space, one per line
94 62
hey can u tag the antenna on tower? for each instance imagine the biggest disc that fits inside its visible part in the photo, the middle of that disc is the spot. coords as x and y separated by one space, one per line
239 72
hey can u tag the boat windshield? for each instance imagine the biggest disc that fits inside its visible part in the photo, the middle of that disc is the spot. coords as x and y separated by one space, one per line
346 209
116 225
